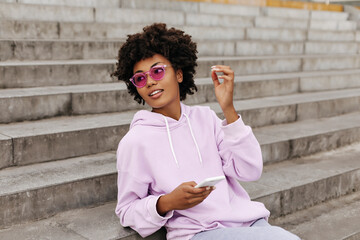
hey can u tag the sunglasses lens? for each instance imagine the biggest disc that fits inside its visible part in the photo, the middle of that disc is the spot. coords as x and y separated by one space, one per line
139 80
157 72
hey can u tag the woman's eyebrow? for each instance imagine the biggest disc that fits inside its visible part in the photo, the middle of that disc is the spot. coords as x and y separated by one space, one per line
150 67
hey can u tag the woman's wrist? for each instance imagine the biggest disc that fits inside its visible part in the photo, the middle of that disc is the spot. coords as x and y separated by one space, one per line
230 114
163 205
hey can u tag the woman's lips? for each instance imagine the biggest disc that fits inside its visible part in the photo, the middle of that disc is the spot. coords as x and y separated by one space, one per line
157 93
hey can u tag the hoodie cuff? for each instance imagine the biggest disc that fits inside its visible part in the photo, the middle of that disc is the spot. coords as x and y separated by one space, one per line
236 129
153 212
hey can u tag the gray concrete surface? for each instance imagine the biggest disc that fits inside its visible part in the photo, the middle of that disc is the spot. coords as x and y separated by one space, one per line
113 97
42 190
333 220
65 137
21 50
6 150
49 73
307 181
290 140
311 54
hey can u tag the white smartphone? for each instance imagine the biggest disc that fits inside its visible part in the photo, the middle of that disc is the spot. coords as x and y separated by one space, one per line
210 181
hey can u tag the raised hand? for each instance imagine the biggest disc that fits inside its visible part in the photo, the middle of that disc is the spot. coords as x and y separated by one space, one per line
224 91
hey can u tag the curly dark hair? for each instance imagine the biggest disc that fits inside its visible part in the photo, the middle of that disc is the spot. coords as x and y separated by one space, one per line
171 43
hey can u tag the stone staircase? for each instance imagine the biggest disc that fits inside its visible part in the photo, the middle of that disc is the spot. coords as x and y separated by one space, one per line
62 115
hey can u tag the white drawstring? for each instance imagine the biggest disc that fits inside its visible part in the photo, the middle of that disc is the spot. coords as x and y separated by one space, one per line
170 141
192 134
171 145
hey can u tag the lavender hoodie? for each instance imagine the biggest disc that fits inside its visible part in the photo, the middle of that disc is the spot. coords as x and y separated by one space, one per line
159 153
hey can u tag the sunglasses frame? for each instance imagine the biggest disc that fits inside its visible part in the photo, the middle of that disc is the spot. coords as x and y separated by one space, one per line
132 79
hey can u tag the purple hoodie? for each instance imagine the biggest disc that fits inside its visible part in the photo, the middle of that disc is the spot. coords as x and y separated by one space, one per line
159 153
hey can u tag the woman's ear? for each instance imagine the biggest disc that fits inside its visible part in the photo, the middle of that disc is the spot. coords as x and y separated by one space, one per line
179 75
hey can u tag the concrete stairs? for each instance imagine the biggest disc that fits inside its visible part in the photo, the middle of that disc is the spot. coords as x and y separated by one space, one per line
62 115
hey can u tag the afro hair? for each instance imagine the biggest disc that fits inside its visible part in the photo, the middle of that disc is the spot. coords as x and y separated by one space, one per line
173 44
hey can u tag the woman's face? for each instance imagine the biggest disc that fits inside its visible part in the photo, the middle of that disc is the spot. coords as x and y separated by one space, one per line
164 94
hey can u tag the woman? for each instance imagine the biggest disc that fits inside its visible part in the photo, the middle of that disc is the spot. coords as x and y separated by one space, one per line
171 148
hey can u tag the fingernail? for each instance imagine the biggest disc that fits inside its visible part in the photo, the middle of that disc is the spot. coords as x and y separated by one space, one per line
215 69
207 188
213 66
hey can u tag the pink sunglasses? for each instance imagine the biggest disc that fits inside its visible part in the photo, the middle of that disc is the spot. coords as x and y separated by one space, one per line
140 79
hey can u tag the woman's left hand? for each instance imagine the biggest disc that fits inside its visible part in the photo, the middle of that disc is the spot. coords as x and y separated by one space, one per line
224 91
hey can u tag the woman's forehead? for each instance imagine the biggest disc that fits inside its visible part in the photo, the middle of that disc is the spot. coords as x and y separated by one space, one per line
147 63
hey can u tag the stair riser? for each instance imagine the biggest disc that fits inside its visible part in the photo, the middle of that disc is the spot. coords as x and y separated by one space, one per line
76 103
35 107
254 48
66 50
55 75
53 50
314 35
275 34
18 208
304 146
329 108
45 202
327 64
298 198
64 145
326 48
6 149
47 147
329 82
75 3
11 29
17 108
45 13
208 20
262 22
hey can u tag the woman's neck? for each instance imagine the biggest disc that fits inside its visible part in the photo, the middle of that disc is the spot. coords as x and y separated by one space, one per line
173 111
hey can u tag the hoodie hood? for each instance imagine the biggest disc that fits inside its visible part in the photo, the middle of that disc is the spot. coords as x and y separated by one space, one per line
157 120
152 119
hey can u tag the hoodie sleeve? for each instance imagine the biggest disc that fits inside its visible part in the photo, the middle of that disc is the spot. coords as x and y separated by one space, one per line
135 207
239 150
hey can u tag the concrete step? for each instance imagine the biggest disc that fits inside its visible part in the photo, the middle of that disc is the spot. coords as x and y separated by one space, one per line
293 23
333 25
25 50
21 50
286 13
307 181
42 190
65 137
17 74
321 221
55 73
103 49
73 3
331 47
15 29
284 188
44 102
46 13
194 7
267 111
21 29
343 36
12 11
304 14
286 34
289 140
326 15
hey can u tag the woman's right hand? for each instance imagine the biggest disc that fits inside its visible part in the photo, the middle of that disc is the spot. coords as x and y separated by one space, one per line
183 197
